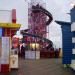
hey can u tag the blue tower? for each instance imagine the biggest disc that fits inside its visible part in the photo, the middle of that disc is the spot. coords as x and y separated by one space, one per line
68 41
73 37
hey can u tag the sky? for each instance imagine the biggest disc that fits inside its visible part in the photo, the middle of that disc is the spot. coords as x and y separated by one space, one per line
58 9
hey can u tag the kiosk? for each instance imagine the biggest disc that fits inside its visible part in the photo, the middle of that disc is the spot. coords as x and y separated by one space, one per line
7 32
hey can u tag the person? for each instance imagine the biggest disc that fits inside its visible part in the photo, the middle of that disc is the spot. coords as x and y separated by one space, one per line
19 52
56 53
23 50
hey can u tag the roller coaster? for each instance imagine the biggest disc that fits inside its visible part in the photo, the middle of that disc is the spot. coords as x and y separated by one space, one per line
35 10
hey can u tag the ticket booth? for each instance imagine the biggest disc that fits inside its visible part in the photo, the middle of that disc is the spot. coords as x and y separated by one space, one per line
6 52
7 30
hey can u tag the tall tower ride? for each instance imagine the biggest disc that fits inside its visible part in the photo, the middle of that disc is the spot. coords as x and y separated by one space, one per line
38 21
37 18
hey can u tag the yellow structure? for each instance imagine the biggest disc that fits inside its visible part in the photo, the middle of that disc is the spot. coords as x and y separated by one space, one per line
9 25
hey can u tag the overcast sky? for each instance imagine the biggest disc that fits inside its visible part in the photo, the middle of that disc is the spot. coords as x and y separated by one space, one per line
58 8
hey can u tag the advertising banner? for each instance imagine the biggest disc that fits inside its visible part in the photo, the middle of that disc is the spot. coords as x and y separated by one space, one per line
0 48
5 50
29 54
0 53
14 61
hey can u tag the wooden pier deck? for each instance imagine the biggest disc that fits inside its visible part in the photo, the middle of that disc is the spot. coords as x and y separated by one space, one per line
41 67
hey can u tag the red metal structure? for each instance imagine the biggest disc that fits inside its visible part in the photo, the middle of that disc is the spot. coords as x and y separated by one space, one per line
38 21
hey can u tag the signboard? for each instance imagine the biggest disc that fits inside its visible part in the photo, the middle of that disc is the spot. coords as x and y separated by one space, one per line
14 61
4 53
5 50
37 54
0 48
0 53
32 54
29 54
14 58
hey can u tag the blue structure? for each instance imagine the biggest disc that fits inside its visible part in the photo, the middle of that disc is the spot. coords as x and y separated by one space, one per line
1 30
67 36
67 41
72 13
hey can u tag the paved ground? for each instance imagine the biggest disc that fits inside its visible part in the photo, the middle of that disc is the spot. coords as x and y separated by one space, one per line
41 67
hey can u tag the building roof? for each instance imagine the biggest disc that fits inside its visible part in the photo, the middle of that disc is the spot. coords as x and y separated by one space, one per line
9 25
62 23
